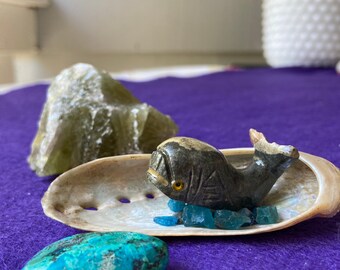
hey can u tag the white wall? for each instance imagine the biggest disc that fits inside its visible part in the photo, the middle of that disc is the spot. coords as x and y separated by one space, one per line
6 69
18 32
151 26
17 28
128 34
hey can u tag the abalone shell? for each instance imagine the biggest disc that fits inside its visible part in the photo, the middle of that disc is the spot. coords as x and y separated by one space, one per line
115 187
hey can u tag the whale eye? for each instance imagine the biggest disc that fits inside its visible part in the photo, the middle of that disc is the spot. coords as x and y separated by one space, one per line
177 185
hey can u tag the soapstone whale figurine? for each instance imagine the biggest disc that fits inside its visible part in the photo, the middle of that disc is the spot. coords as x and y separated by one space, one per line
189 170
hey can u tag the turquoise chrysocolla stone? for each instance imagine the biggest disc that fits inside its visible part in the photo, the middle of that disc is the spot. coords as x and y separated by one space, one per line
197 216
117 250
266 215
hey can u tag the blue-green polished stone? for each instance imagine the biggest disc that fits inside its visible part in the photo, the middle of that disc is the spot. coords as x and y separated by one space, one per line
266 215
197 216
229 220
166 220
176 206
117 250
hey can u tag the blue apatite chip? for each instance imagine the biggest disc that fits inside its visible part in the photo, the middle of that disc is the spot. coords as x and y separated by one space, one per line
230 220
198 216
92 251
176 206
266 215
246 212
166 220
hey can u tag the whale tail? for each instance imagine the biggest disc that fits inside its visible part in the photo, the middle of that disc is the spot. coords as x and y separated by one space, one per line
261 144
270 161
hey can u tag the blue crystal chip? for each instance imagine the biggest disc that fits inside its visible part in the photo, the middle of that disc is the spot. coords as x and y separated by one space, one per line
246 212
266 215
226 219
166 220
176 206
198 216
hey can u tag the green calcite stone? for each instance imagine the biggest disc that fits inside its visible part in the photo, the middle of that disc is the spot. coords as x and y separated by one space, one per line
118 250
88 115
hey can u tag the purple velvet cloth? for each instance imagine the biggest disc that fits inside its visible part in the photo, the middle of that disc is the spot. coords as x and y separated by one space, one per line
295 106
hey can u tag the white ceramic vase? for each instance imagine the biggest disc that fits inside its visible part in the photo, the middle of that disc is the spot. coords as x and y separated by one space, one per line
301 32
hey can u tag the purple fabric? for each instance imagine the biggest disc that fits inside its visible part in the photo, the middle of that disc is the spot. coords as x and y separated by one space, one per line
296 106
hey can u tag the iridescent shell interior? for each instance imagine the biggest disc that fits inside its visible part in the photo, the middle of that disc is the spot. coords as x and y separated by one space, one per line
293 193
111 194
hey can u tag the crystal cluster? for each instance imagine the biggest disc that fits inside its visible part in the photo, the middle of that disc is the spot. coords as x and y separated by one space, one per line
198 216
89 115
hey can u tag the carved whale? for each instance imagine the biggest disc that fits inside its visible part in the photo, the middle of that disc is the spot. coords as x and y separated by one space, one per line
189 170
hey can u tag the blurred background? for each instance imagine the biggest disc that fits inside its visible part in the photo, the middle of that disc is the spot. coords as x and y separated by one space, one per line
38 38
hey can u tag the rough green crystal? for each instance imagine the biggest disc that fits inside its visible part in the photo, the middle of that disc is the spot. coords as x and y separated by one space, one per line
118 251
89 115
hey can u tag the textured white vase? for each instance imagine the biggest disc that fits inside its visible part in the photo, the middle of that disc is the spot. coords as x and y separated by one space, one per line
301 32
